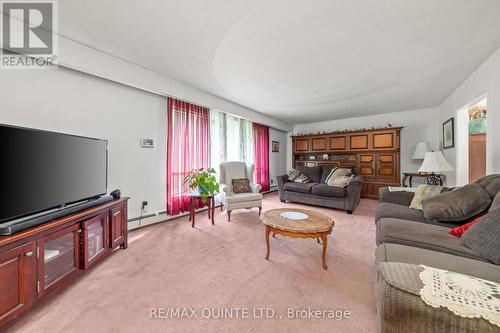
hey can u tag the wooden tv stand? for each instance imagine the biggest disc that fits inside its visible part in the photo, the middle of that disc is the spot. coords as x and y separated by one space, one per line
38 261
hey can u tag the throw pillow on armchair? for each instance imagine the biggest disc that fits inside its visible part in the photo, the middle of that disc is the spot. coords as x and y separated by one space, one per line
241 186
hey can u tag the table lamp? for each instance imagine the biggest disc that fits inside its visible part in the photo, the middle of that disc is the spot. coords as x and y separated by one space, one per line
420 150
434 162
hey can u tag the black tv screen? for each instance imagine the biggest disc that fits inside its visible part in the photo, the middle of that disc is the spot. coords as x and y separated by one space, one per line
42 170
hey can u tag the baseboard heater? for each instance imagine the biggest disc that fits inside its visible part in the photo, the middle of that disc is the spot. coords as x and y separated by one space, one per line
11 227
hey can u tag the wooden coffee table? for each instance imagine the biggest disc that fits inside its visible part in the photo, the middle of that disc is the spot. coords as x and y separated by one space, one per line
310 225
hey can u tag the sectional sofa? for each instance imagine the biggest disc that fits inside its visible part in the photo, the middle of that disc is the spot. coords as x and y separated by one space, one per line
317 193
405 240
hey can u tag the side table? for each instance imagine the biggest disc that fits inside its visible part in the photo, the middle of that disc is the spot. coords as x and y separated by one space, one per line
410 175
193 197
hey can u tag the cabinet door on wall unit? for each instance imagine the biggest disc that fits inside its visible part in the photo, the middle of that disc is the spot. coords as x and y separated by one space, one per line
384 140
359 141
319 144
338 142
17 281
301 145
386 168
367 166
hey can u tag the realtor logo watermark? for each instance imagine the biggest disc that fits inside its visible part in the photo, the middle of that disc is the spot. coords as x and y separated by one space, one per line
29 34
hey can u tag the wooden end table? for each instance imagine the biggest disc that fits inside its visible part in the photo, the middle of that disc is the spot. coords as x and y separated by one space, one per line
305 224
194 196
410 175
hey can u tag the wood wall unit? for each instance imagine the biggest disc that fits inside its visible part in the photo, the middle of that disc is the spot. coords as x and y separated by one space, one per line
374 153
38 261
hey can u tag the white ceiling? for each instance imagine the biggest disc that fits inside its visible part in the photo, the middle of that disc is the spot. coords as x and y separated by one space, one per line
295 60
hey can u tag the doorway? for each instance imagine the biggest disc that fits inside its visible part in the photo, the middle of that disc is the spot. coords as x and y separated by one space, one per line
471 141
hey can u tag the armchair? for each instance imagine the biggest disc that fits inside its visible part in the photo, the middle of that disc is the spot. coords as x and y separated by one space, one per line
231 200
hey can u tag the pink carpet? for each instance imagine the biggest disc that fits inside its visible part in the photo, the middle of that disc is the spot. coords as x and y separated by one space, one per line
171 265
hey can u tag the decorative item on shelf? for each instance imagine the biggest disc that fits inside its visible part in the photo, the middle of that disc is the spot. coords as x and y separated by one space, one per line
434 162
326 157
312 158
275 147
389 126
448 134
203 181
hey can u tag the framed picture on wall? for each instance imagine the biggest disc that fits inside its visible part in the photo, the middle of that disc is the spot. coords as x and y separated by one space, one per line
448 134
275 147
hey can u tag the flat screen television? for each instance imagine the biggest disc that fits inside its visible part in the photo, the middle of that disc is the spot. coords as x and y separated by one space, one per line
41 170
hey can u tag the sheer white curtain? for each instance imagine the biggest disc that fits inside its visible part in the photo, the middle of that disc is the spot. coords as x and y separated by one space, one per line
230 139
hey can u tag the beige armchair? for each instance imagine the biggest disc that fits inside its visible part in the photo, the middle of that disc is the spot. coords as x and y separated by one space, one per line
232 201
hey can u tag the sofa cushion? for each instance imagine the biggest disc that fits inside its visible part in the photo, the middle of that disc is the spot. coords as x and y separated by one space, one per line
484 237
422 193
299 187
326 169
297 176
336 173
244 197
314 173
402 198
388 252
396 211
495 205
490 183
459 205
329 191
422 235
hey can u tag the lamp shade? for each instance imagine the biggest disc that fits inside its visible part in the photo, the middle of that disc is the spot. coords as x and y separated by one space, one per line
420 150
434 161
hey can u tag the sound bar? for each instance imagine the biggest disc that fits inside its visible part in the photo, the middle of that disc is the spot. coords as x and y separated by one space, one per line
11 227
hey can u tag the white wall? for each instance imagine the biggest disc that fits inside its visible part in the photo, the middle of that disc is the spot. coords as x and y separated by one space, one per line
486 79
89 60
419 125
67 101
72 102
277 161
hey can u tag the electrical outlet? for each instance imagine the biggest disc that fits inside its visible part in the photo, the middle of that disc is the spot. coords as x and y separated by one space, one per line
144 205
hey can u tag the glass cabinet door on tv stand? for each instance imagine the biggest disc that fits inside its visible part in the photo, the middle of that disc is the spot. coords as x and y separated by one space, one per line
95 239
58 258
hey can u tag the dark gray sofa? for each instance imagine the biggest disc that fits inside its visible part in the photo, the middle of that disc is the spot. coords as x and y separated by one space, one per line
405 240
318 193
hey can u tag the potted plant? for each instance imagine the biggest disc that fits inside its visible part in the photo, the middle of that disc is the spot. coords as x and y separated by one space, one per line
204 181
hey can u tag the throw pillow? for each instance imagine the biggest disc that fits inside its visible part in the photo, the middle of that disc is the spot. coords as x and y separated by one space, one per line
484 237
341 181
337 172
241 186
458 205
295 175
459 231
424 192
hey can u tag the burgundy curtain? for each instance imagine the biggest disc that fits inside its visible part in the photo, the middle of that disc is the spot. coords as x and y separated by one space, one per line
261 155
187 149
